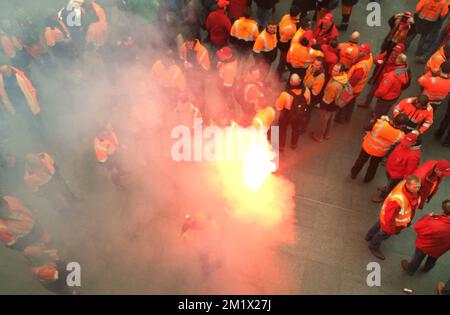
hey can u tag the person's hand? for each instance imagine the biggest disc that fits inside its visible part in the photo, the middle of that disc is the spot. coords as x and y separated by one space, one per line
415 131
380 62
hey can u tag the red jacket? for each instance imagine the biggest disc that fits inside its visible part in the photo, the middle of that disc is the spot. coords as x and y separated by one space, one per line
433 235
331 56
236 8
218 26
421 119
325 37
403 161
391 211
392 84
430 182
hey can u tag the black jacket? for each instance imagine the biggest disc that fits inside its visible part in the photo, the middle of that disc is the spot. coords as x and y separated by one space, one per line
305 5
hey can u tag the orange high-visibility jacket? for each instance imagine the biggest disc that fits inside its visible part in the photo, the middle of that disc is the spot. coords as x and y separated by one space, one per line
436 88
264 118
435 61
348 54
27 89
297 36
17 223
202 55
285 100
44 267
431 10
245 29
366 65
423 118
10 45
169 77
301 57
56 35
228 72
287 28
97 33
265 42
314 81
404 216
34 179
106 147
381 138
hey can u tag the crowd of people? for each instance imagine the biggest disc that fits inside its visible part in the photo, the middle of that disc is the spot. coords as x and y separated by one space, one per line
265 73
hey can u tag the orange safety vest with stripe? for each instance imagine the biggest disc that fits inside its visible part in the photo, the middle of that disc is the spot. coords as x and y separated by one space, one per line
17 223
431 10
381 138
418 118
265 42
436 88
404 216
299 56
314 81
287 28
201 55
348 55
106 147
228 72
10 45
264 118
34 179
366 65
27 89
44 267
97 33
435 61
297 36
170 77
245 29
55 35
286 99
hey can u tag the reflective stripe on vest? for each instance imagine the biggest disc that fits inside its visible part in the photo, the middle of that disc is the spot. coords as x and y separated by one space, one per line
404 215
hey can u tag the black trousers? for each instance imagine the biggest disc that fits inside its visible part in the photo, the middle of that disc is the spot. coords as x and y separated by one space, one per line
345 114
296 120
392 183
444 125
284 48
373 165
382 107
417 259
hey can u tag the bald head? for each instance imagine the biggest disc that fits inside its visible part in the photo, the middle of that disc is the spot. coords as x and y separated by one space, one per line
354 38
295 79
401 59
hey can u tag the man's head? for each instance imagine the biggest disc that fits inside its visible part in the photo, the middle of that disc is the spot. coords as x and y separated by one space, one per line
421 101
354 38
294 12
445 69
413 184
399 48
442 168
318 63
225 54
191 39
327 20
446 207
271 27
401 59
305 24
337 70
401 120
304 42
334 43
295 80
365 49
223 4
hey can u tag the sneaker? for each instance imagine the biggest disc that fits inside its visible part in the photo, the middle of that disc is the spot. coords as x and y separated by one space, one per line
377 199
362 105
313 136
405 266
377 253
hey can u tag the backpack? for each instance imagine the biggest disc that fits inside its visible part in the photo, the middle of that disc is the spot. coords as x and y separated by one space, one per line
345 96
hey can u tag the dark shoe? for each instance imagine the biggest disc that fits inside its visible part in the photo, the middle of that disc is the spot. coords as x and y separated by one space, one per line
362 105
377 199
405 266
343 27
426 269
377 253
313 136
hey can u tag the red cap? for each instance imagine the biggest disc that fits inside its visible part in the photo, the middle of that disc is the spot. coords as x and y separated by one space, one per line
328 18
444 167
410 139
399 48
222 3
224 53
408 13
365 48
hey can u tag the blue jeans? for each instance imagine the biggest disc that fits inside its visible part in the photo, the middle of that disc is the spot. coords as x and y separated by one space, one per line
418 257
263 16
376 235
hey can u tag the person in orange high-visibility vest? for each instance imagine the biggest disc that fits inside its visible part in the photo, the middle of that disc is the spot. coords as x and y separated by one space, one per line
46 266
358 76
300 56
265 48
435 61
396 214
381 136
419 111
436 87
227 69
429 17
305 25
18 227
57 37
349 52
106 146
244 32
97 32
287 29
10 44
43 177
